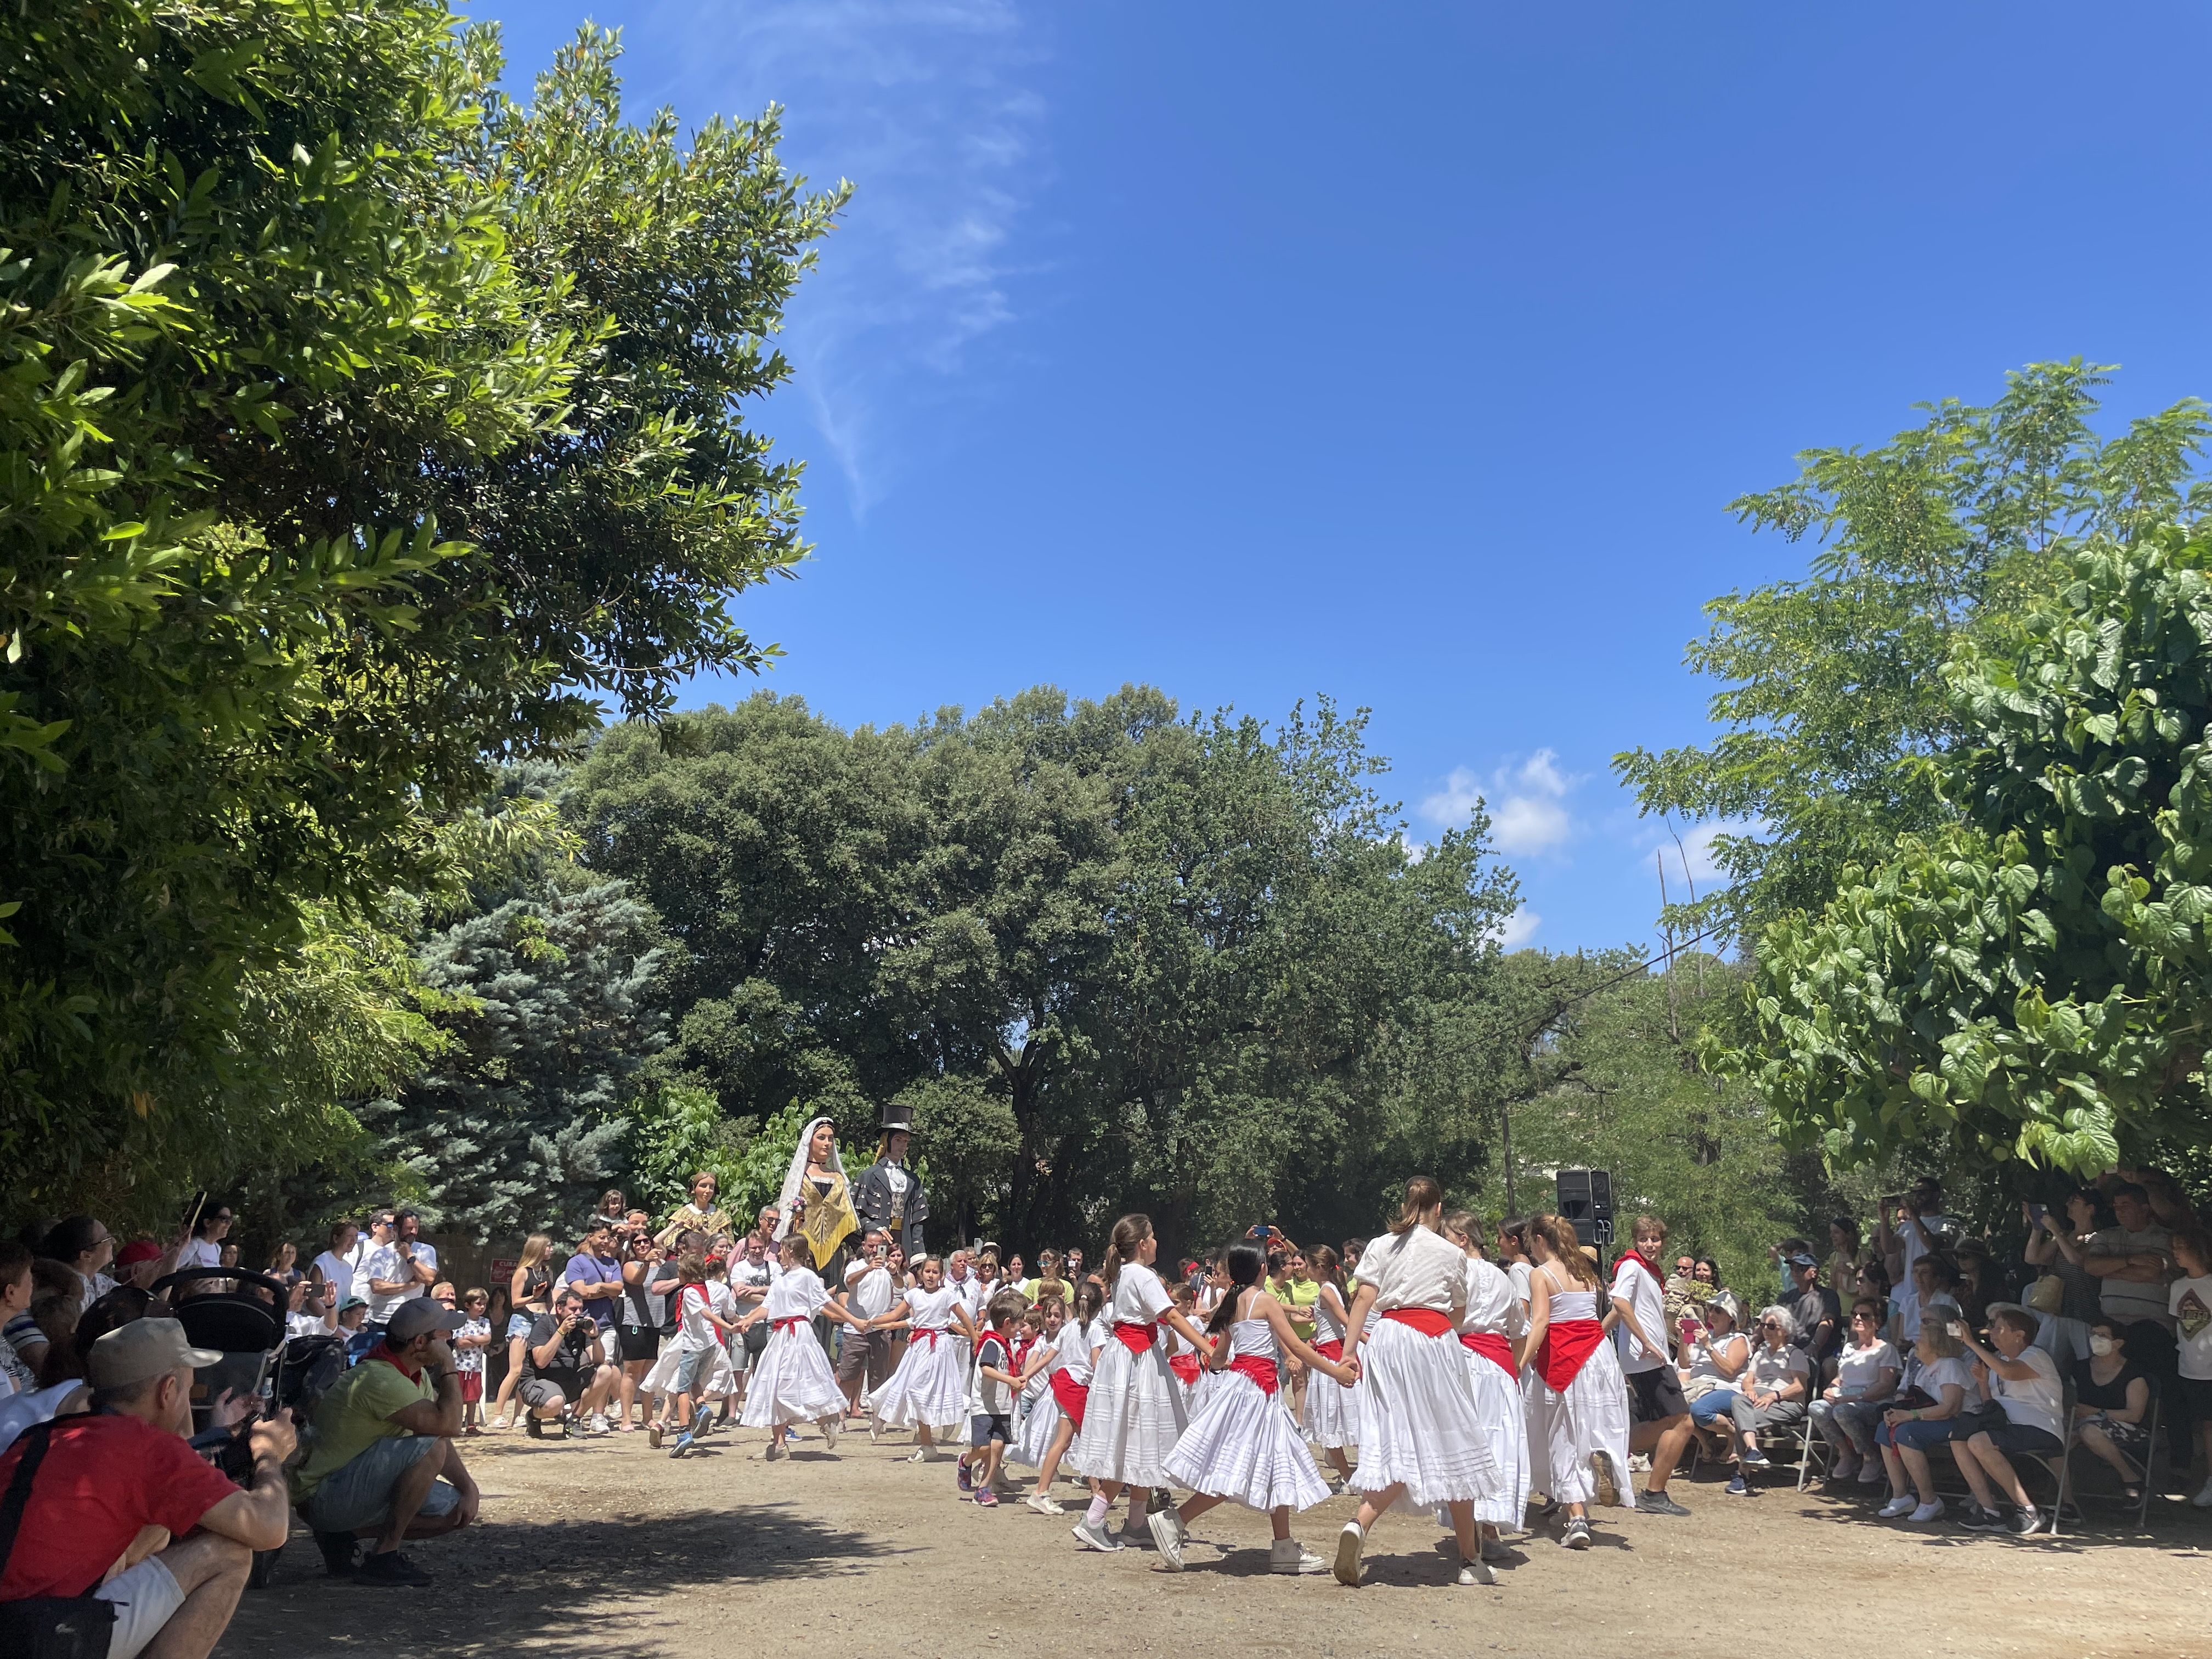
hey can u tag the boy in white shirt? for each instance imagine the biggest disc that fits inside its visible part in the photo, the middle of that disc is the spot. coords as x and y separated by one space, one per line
991 1391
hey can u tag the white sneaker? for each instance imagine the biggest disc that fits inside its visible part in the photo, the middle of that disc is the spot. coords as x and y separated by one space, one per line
1095 1536
1473 1572
1931 1510
775 1449
1044 1503
1898 1506
831 1427
919 1454
2203 1500
1288 1555
1166 1536
600 1423
1348 1543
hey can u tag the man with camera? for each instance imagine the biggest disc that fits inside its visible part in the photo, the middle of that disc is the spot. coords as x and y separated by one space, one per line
863 1361
562 1375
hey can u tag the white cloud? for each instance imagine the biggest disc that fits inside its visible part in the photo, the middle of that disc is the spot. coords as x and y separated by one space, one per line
1528 810
1519 928
1694 855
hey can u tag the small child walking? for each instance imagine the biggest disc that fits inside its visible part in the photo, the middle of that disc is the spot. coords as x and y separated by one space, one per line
991 1400
699 1331
468 1344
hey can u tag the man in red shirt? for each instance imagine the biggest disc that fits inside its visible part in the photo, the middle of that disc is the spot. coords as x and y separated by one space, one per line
120 1507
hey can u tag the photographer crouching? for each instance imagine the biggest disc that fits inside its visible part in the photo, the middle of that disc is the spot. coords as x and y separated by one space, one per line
562 1376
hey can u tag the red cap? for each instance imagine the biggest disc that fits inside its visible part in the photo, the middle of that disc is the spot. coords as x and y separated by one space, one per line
137 1250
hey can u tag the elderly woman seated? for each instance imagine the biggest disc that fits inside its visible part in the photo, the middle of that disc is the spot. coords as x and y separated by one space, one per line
1940 1386
1850 1408
1775 1388
1713 1355
2028 1421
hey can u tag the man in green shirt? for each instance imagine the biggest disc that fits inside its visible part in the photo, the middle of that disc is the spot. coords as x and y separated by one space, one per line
381 1463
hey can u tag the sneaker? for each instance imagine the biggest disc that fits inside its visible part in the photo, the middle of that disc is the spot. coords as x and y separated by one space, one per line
919 1454
1167 1534
1576 1536
1872 1474
985 1498
1473 1572
1288 1555
1753 1458
681 1447
392 1570
2204 1498
1931 1510
1135 1538
776 1449
1896 1507
2025 1523
1044 1503
1162 1498
1348 1544
652 1433
532 1427
1494 1549
1658 1503
1737 1487
831 1428
599 1424
1843 1469
1975 1518
337 1552
967 1479
1093 1536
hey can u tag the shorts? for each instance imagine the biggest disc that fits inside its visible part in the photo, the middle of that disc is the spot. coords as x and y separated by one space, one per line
638 1343
536 1391
146 1598
520 1324
2125 1436
357 1495
984 1427
691 1366
2013 1439
472 1387
2194 1396
1712 1405
865 1355
1655 1395
1918 1434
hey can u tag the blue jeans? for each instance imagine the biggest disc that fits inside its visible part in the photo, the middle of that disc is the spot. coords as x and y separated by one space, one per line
1708 1408
1918 1434
357 1495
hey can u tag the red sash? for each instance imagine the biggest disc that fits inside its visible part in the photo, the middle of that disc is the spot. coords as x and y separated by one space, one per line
1137 1339
933 1332
1071 1395
1332 1350
786 1324
1427 1320
1491 1344
1261 1371
1567 1344
1185 1365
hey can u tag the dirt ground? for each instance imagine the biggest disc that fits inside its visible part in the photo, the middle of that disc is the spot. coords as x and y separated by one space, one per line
602 1549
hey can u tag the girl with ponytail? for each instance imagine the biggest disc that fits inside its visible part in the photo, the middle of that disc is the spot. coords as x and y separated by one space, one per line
1136 1410
1331 1406
1241 1443
1493 1318
1577 1398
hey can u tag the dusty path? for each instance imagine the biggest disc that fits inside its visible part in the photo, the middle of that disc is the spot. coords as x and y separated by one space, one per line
603 1549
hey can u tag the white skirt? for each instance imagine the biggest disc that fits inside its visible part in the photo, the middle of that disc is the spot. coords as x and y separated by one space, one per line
1033 1437
1132 1418
929 1390
1566 1430
1422 1426
1242 1444
1506 1425
793 1382
1331 1414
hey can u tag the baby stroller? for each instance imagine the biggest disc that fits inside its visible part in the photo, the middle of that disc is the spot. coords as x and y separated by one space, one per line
245 1323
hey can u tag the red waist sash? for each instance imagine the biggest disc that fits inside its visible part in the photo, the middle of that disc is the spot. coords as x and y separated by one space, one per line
1184 1365
1567 1344
1332 1350
1137 1339
933 1332
1427 1320
1492 1345
786 1324
1261 1370
1071 1395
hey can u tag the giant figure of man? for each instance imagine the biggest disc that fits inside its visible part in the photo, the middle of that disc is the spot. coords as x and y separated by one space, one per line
889 1195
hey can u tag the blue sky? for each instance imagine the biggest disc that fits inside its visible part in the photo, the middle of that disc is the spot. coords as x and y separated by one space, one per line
1408 355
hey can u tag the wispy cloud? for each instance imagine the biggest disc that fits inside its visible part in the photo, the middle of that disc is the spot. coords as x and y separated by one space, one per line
1519 928
1527 804
924 106
1693 856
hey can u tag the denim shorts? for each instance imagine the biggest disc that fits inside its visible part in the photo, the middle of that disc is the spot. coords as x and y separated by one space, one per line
1918 1434
1712 1405
358 1495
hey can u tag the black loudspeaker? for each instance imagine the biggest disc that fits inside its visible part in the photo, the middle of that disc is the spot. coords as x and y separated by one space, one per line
1586 1199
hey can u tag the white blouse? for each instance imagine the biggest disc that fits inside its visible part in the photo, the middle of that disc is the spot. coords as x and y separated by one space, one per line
1416 1268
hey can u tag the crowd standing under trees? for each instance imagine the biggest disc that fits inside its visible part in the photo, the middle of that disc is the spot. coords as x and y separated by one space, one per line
370 432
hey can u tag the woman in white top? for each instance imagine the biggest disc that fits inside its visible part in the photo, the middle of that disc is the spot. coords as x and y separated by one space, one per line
1907 1432
1575 1396
1867 1374
1488 1328
1775 1388
2024 1384
1135 1411
792 1382
1714 1356
1425 1439
929 1390
1241 1442
1331 1410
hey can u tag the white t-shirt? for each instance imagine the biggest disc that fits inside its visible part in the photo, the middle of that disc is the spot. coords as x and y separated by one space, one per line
1932 1378
2190 1302
1699 1362
1416 1268
308 1324
472 1360
747 1276
1634 1287
1140 1298
385 1262
200 1253
985 1395
1078 1343
870 1289
931 1310
1521 1273
695 1331
2037 1403
337 1271
1858 1370
798 1293
1771 1369
1490 1303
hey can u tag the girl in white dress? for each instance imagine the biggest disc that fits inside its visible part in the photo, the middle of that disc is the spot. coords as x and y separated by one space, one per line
1069 1379
1036 1414
1242 1441
1424 1437
1577 1401
1135 1413
792 1382
1487 1329
1330 1406
929 1390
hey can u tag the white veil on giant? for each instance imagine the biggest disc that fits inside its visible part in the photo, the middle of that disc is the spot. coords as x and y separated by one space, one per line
788 1198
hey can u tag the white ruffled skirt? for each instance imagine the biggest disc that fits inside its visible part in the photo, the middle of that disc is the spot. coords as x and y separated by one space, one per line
1040 1422
792 1383
1331 1414
930 1387
1506 1425
1242 1444
1566 1428
1421 1425
1135 1413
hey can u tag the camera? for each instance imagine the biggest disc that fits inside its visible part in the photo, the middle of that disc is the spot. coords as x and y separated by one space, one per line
586 1327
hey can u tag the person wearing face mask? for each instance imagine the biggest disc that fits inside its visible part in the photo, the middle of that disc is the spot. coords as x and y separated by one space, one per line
2112 1404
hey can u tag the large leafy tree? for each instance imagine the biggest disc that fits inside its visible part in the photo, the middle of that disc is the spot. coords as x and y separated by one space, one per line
1833 693
357 426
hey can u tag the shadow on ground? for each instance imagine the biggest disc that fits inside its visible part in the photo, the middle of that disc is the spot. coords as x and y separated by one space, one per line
594 1589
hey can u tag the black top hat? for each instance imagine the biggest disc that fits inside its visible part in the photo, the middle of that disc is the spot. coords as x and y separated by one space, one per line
898 1120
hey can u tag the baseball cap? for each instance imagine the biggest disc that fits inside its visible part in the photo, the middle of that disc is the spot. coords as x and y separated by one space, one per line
137 1250
417 1315
351 1303
142 1349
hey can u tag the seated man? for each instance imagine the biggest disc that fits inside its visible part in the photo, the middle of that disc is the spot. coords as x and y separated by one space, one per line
381 1462
562 1374
120 1509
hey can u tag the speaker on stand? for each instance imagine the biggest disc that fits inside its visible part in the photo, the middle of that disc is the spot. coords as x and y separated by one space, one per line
1585 1198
